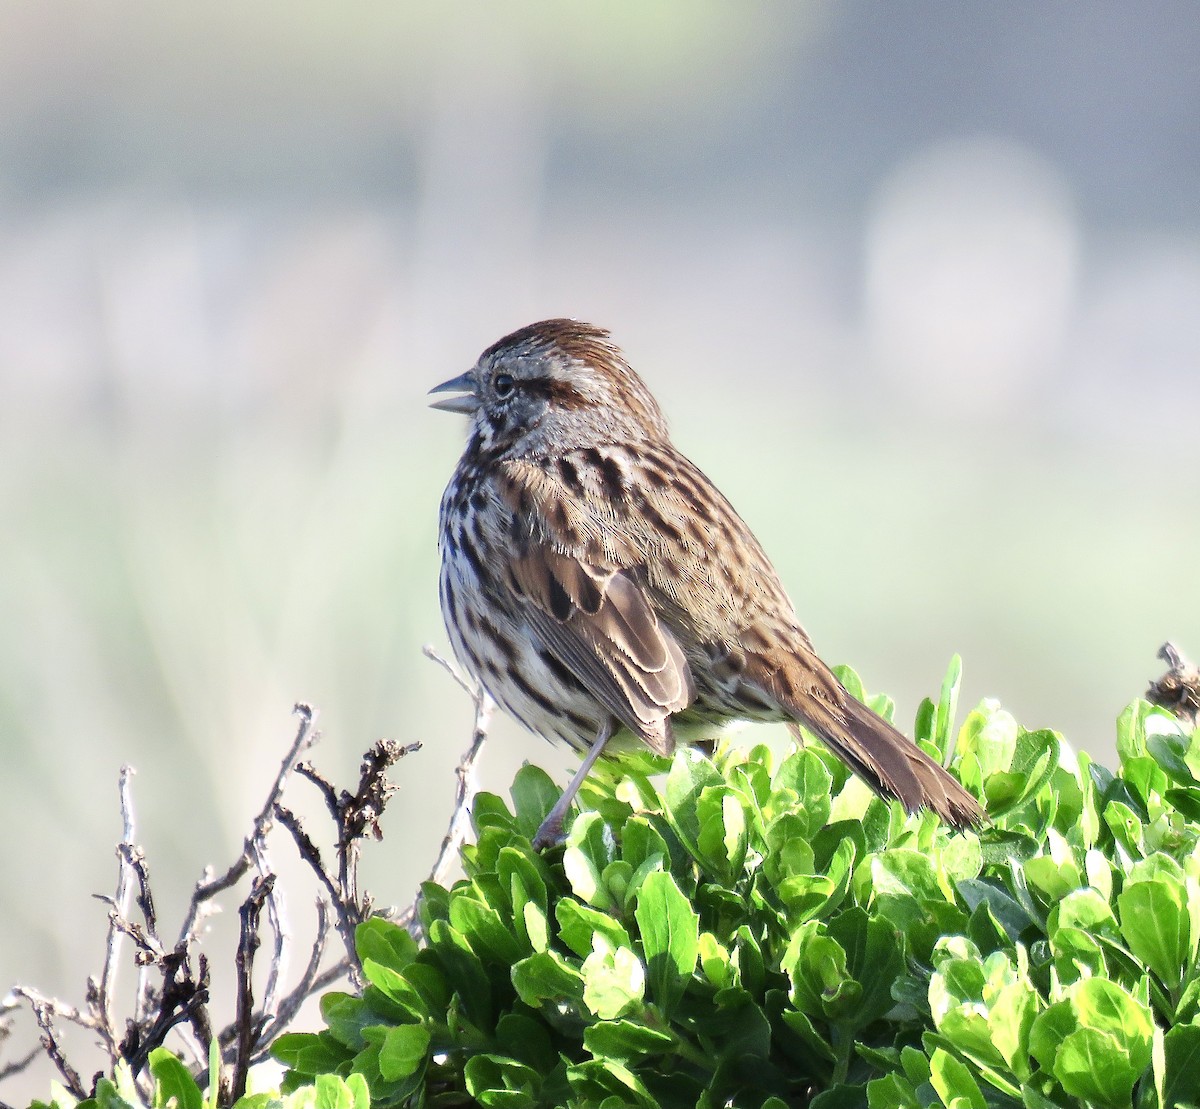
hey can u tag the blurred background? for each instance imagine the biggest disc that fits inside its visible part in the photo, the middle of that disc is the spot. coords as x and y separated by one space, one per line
918 286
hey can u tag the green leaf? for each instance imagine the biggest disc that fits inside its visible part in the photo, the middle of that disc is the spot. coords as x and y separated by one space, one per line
403 1051
214 1074
1105 1006
463 970
1156 925
690 774
642 843
1170 750
526 1039
989 735
806 775
915 1065
1146 729
1010 913
614 980
670 933
626 1040
590 848
822 985
947 705
715 962
849 678
386 943
892 1091
500 1082
519 875
1131 730
875 958
489 936
1185 801
610 1084
173 1081
925 721
901 871
309 1053
108 1094
534 794
722 815
334 1092
809 895
546 976
1091 1065
959 1013
953 1081
347 1015
489 811
841 1096
1097 1043
1181 1065
577 924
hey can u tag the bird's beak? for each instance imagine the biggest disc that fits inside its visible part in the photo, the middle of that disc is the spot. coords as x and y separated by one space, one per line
466 404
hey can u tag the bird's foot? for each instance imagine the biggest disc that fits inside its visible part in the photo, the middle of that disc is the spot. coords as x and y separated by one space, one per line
550 834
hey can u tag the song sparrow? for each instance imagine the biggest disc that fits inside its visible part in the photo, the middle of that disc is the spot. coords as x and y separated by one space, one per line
593 578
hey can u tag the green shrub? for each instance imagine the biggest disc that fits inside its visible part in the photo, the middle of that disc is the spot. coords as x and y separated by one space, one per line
753 932
758 933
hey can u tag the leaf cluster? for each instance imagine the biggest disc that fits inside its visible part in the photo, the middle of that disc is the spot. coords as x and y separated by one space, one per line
753 931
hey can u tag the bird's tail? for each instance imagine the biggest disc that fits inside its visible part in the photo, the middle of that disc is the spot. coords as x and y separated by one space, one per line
894 766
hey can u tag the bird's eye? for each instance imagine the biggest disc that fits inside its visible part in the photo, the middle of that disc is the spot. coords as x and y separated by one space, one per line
503 384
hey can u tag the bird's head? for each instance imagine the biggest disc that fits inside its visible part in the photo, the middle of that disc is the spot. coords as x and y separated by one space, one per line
556 385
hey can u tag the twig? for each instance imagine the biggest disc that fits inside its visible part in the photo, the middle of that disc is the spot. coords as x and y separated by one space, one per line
277 918
180 1003
137 861
464 790
44 1011
356 816
17 1066
118 914
248 1027
57 1008
184 998
311 854
281 1014
465 683
306 736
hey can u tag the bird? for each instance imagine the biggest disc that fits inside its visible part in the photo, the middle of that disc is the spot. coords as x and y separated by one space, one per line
597 584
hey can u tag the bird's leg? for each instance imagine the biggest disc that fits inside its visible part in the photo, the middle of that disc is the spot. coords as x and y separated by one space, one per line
551 831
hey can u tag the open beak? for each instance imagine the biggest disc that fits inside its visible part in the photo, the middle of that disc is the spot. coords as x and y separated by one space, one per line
466 404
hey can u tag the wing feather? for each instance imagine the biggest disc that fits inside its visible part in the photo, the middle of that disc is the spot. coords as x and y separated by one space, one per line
595 617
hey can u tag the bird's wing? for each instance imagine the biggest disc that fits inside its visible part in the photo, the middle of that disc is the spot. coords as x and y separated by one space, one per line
590 610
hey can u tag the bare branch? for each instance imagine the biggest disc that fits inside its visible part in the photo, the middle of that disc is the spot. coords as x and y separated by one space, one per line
281 1014
277 918
306 736
103 994
465 683
324 786
56 1008
464 791
184 999
17 1066
44 1011
248 1027
311 854
180 1002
